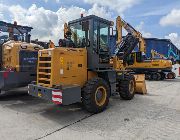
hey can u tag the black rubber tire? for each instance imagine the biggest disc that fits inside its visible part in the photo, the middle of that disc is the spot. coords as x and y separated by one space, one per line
124 90
163 76
171 75
147 76
158 77
88 95
155 76
150 76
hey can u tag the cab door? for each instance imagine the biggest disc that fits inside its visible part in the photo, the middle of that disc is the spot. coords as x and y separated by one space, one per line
101 41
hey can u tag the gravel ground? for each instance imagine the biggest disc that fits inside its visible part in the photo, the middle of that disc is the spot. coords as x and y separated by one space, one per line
153 116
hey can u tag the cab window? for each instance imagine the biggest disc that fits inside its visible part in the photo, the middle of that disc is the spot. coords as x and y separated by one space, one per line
104 31
80 33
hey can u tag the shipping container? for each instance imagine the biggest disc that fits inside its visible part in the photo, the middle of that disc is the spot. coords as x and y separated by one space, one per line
162 46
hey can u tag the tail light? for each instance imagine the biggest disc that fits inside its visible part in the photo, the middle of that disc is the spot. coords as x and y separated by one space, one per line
7 70
5 74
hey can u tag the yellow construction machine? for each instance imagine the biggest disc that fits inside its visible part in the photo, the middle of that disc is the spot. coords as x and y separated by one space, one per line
18 57
154 69
79 70
158 56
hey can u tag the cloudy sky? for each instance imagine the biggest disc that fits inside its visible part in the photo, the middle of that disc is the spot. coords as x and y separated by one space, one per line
152 18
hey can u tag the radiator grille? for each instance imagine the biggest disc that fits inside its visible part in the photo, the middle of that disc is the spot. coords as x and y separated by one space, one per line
44 71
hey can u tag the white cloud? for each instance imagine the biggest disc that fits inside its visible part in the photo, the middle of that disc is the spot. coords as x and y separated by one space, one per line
175 38
100 11
47 24
118 5
3 9
140 28
171 19
57 1
43 21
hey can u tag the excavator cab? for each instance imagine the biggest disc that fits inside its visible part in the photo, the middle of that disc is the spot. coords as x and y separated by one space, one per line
136 57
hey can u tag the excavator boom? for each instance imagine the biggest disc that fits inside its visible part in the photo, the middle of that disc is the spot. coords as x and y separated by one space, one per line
120 23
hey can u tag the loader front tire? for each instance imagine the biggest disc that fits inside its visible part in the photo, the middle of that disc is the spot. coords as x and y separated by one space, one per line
127 87
95 95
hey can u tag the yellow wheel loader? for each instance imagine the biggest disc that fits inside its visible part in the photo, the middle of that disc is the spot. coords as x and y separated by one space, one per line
154 69
80 69
18 57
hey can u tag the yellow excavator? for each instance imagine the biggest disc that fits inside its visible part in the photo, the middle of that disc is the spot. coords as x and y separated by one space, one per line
79 69
154 69
18 57
158 56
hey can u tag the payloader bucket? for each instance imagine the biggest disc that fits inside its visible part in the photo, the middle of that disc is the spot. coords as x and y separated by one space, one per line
140 83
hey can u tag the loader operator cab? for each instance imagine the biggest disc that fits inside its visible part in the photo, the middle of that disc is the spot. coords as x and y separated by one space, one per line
92 33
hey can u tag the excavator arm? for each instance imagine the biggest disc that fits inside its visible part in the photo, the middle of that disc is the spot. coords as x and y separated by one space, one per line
120 23
125 48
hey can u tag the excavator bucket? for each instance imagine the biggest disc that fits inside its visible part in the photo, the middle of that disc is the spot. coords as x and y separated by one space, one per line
140 84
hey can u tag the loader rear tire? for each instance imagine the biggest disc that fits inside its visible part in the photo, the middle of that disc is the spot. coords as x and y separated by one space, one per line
95 95
127 87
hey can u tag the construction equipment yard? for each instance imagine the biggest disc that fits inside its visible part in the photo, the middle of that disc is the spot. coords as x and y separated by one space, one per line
152 116
89 70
